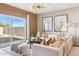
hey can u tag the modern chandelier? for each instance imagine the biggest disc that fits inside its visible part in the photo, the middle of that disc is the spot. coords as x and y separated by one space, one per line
39 6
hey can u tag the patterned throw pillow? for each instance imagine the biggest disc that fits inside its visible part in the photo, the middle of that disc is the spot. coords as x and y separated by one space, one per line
44 41
47 41
50 41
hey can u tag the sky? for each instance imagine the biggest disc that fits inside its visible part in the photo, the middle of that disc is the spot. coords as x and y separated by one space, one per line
15 21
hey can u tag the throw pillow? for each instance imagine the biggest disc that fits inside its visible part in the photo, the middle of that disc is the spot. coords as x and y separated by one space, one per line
44 42
50 41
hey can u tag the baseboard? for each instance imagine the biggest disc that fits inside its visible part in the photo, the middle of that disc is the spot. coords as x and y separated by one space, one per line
76 45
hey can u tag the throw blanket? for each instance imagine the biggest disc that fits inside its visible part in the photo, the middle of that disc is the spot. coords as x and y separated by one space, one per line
61 43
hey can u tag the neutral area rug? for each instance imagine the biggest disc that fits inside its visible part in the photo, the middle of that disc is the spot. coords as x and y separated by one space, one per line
7 52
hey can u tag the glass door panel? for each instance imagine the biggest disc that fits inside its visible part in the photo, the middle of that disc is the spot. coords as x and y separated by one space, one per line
18 25
5 24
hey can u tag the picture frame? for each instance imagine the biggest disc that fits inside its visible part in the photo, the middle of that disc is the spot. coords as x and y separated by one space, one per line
60 23
47 24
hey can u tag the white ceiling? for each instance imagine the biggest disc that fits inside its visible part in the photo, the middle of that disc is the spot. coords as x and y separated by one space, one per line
52 6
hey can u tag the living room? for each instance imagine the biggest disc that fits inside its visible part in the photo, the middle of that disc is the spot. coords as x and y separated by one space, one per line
48 29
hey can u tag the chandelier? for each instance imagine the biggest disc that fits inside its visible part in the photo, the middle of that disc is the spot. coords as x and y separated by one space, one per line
39 6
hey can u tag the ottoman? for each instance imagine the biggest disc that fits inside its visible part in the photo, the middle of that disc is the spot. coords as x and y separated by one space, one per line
20 47
25 50
14 47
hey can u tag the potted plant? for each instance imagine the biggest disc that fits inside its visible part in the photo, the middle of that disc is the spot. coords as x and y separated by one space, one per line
33 36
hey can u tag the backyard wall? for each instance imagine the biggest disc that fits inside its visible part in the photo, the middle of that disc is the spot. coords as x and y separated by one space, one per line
17 31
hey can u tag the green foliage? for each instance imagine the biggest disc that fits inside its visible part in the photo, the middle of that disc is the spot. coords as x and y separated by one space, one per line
21 35
33 35
4 25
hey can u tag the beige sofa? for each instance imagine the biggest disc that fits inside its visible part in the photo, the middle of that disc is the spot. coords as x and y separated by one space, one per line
42 50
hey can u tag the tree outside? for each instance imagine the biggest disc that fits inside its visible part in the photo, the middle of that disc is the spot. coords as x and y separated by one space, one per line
4 25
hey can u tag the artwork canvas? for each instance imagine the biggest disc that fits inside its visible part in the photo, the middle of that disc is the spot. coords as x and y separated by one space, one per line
60 22
47 24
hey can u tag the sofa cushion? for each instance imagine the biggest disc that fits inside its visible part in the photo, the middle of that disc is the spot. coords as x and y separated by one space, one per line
57 43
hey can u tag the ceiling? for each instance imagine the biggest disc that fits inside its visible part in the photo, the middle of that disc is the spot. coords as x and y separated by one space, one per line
51 7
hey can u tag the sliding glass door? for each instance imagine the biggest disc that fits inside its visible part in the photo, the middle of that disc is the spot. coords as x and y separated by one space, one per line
18 25
12 29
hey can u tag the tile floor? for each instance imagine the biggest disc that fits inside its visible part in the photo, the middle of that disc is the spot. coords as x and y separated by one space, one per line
74 51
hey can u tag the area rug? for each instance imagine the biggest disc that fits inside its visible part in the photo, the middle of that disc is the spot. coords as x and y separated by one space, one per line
7 52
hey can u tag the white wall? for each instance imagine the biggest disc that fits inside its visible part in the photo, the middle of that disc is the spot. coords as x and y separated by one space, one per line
73 15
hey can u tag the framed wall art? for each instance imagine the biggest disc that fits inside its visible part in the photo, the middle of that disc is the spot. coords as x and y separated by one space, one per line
60 23
47 24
